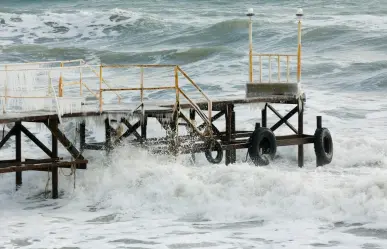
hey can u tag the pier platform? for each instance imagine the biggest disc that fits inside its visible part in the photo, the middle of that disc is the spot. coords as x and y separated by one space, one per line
47 93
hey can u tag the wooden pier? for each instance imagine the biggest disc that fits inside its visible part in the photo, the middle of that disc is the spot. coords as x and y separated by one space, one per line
196 113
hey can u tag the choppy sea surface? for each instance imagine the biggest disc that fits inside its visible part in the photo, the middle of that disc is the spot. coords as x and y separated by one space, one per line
135 200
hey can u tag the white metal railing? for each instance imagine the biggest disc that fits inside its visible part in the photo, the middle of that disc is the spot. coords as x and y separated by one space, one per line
175 85
26 83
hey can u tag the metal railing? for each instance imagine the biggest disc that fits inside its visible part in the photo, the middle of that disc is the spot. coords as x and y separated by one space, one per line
47 75
175 86
277 56
278 69
51 72
54 65
24 87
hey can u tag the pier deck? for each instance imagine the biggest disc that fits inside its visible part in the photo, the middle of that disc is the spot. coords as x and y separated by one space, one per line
156 108
75 90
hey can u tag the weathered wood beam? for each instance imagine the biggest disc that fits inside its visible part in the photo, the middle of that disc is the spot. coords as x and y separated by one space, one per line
285 118
132 129
42 166
65 142
36 141
7 137
281 117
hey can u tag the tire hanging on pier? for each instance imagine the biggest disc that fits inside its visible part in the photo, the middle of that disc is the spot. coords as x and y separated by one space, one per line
213 145
263 146
323 146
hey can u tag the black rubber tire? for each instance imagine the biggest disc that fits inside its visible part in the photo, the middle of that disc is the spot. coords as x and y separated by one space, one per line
214 146
263 146
323 146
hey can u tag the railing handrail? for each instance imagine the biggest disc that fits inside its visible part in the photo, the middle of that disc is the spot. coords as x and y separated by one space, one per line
83 64
274 55
203 94
177 69
101 78
278 57
59 69
138 65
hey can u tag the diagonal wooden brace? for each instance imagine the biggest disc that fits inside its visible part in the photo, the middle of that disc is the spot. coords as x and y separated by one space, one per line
36 141
131 129
65 142
215 117
285 118
9 134
281 117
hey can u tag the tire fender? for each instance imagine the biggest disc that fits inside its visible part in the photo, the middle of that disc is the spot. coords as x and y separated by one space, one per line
263 146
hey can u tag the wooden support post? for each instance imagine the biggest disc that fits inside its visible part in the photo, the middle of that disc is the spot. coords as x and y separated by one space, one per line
233 151
174 130
300 133
108 135
144 124
264 116
82 135
192 116
18 151
229 131
319 126
54 170
319 122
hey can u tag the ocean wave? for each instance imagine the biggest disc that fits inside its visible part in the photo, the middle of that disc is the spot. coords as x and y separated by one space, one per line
166 56
50 26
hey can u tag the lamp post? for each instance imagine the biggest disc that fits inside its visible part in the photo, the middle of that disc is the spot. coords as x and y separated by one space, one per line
250 14
299 15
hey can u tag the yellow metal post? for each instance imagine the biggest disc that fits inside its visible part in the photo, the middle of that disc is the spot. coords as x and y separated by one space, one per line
61 82
142 85
100 88
250 14
80 79
5 89
299 16
177 84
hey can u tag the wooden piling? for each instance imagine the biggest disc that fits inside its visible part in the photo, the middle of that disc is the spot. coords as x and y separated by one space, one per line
319 126
300 134
144 125
82 135
264 116
108 135
18 151
230 129
54 151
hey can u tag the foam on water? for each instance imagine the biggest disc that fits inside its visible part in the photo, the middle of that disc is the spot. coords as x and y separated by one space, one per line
233 204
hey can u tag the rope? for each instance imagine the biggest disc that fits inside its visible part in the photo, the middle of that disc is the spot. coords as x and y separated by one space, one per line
73 167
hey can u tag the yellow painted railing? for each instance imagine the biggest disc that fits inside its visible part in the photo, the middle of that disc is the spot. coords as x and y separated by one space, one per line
175 85
277 57
32 80
282 65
